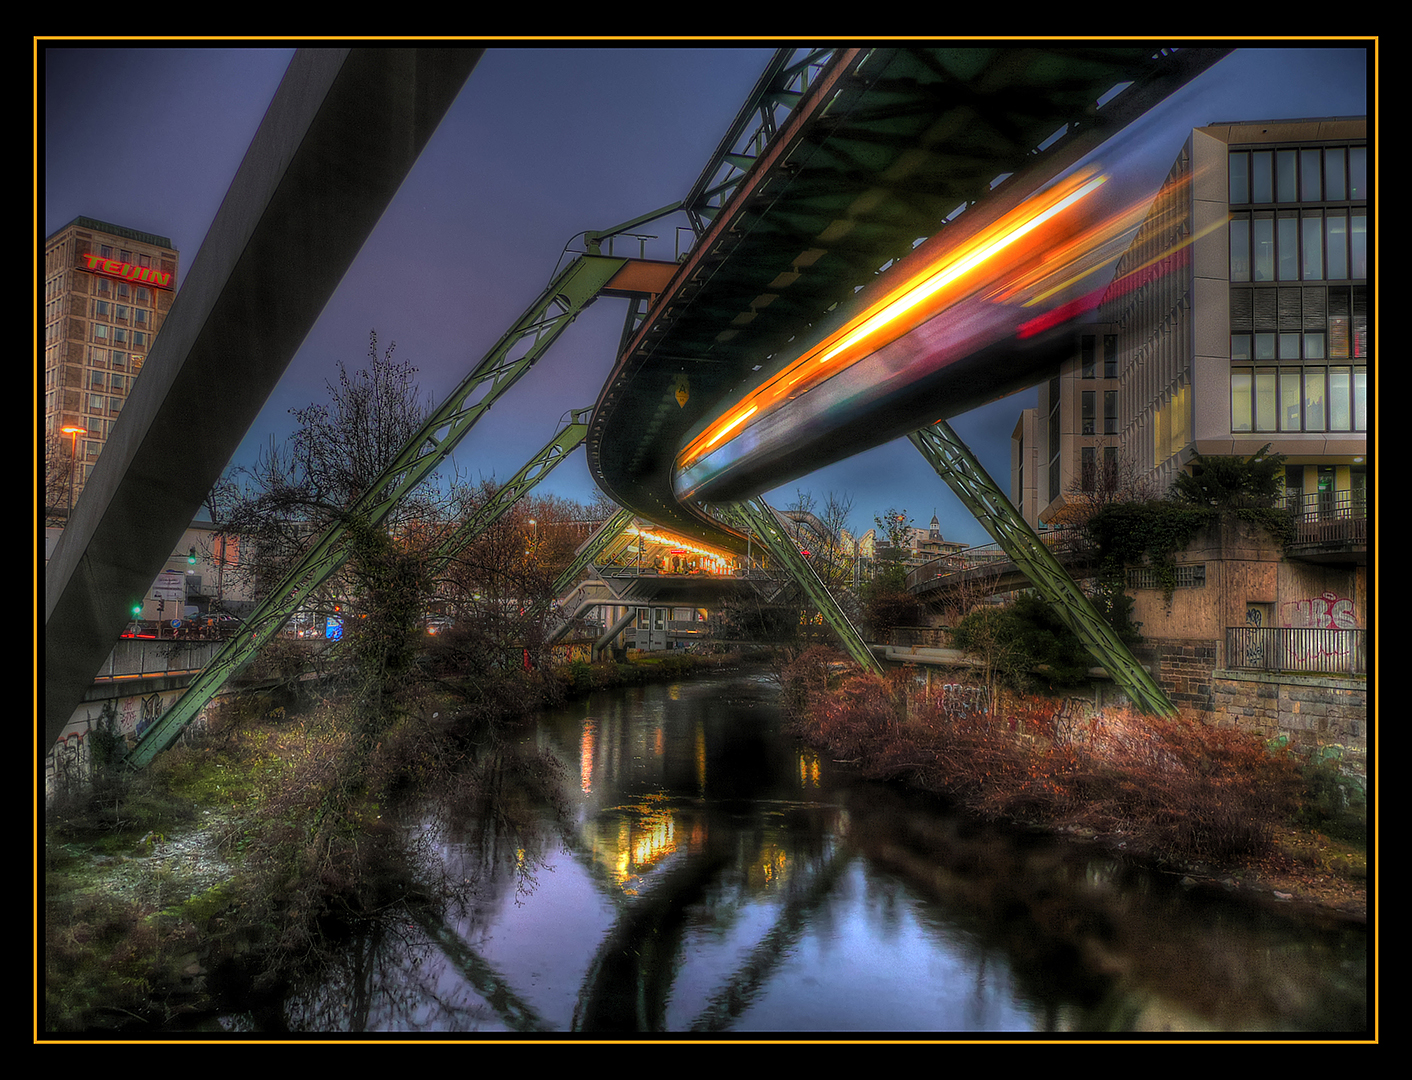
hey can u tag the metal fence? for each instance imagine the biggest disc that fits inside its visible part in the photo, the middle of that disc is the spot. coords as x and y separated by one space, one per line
1331 517
1314 650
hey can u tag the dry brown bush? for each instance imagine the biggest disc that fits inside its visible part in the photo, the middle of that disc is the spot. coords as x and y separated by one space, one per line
1170 787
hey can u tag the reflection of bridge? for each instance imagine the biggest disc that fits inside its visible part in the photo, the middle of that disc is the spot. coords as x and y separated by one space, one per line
836 235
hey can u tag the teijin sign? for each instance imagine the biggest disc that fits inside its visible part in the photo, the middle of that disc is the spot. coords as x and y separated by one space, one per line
144 275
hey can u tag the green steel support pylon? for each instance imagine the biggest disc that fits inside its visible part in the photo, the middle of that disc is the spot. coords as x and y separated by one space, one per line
754 516
955 464
609 531
515 353
565 441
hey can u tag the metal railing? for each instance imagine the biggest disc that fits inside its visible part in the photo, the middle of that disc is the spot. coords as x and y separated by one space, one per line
1330 517
1304 649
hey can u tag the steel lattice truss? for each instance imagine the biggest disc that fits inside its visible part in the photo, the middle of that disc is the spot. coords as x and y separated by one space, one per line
577 286
755 517
955 464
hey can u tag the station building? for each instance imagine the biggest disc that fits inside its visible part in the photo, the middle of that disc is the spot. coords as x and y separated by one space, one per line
107 290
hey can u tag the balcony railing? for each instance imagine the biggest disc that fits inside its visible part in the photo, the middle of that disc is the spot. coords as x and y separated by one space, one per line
1332 517
1305 649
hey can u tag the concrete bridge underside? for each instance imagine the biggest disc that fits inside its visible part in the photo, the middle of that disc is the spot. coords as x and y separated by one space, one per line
342 132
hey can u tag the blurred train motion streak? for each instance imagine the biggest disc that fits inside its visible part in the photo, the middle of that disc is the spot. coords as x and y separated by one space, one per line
961 321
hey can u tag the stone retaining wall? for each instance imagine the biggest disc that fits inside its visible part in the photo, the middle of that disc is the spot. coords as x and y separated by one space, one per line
1311 710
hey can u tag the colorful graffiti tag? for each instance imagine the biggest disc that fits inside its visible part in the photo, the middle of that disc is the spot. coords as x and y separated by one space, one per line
1329 611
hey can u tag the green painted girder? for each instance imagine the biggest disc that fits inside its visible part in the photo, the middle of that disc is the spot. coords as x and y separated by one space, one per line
954 463
754 516
577 286
565 441
608 532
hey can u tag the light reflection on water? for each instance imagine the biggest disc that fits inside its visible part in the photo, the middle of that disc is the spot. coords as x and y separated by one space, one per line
715 877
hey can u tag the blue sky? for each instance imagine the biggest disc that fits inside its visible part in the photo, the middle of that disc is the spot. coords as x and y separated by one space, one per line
543 143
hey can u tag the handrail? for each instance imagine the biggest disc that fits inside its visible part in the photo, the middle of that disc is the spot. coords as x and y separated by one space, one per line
1301 649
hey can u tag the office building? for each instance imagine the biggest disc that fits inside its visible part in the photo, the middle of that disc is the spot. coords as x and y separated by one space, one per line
107 290
1238 317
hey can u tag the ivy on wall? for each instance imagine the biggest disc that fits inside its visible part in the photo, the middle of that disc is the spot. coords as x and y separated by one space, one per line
1152 532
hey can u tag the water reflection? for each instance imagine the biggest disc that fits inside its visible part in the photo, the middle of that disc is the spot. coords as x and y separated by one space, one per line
709 876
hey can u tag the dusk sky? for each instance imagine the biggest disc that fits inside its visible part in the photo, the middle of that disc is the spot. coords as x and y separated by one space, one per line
542 144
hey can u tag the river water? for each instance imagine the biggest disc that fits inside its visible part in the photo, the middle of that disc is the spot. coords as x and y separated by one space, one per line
710 876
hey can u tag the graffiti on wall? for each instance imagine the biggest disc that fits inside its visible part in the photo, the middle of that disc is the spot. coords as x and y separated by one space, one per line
570 651
1329 611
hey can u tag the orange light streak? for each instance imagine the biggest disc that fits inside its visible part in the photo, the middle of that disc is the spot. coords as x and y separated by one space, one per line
903 308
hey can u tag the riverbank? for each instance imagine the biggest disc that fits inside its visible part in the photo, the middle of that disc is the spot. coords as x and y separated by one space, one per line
1219 809
166 888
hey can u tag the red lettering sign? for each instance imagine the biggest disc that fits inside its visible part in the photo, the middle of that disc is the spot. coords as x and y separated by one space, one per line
141 275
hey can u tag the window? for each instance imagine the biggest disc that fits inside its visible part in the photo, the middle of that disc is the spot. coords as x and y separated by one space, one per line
1334 187
1110 356
1265 399
1299 398
1340 401
1336 244
1313 399
1262 177
1086 344
1090 407
1240 178
1358 244
1262 263
1310 188
1313 246
1240 248
1110 412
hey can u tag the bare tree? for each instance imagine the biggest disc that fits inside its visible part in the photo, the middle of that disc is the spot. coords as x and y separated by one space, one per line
294 491
59 479
1112 475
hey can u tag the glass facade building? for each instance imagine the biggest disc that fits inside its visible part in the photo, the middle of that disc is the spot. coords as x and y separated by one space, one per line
1239 316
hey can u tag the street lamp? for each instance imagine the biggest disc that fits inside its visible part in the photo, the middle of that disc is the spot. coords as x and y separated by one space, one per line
74 431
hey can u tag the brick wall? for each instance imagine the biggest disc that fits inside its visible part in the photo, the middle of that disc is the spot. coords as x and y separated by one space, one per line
1312 710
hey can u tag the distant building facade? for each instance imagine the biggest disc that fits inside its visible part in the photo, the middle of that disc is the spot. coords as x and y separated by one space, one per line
107 290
